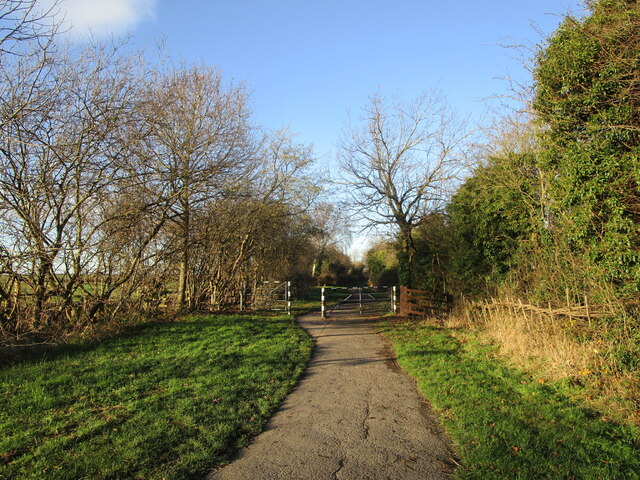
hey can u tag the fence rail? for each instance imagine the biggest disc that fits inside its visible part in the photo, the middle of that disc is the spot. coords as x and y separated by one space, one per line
368 301
587 311
271 296
420 302
380 300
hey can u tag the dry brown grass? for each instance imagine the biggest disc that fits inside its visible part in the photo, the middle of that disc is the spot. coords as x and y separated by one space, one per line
560 349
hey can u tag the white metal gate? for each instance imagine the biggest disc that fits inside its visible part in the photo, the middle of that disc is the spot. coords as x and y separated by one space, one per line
366 301
272 296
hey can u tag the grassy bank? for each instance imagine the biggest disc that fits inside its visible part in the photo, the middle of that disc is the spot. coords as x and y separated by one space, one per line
306 301
168 400
504 423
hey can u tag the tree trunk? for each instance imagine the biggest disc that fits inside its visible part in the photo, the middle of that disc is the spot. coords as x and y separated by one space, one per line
184 263
406 257
40 289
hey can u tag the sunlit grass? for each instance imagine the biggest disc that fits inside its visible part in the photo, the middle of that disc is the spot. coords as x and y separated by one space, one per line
306 301
170 400
504 423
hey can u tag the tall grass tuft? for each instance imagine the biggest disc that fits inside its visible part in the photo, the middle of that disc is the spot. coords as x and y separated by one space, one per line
597 353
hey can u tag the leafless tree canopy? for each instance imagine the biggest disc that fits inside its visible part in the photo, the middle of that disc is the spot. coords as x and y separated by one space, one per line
400 160
127 188
23 22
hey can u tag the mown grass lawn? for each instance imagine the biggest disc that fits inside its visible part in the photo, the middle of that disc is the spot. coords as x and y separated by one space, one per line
505 424
166 401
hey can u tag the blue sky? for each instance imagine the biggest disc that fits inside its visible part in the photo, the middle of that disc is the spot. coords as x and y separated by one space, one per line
309 63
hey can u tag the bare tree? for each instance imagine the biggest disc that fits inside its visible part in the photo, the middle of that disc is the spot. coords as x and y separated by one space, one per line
258 229
61 180
398 163
113 177
27 34
23 22
199 144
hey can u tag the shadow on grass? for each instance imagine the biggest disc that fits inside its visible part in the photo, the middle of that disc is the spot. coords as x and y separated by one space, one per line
185 328
506 424
165 400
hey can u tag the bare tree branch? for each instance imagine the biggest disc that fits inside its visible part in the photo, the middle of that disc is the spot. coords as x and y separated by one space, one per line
397 163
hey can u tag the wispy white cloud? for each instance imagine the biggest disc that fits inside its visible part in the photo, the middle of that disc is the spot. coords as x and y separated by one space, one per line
105 17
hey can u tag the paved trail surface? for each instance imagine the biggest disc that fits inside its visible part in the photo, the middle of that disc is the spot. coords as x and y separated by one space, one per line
354 415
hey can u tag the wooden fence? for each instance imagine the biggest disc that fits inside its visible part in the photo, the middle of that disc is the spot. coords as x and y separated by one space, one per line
570 311
420 302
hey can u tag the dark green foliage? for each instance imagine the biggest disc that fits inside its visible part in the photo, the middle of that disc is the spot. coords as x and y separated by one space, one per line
433 242
588 99
404 269
493 216
382 264
564 211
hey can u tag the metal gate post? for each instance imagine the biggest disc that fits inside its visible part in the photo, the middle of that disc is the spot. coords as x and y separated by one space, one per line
394 304
360 299
323 304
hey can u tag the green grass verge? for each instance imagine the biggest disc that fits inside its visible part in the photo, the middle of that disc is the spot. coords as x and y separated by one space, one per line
166 401
307 302
505 424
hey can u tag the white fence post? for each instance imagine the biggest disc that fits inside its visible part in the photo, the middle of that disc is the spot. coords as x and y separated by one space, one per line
323 304
394 303
288 298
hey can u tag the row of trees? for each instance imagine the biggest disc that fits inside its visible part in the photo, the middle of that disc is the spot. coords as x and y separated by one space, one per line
127 185
552 203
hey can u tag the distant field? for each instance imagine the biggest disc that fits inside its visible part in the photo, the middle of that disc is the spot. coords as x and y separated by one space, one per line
167 401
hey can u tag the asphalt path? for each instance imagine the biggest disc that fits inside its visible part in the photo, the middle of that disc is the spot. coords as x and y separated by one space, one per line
354 415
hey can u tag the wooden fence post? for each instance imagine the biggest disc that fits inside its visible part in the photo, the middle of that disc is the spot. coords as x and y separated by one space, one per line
419 302
566 292
586 304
